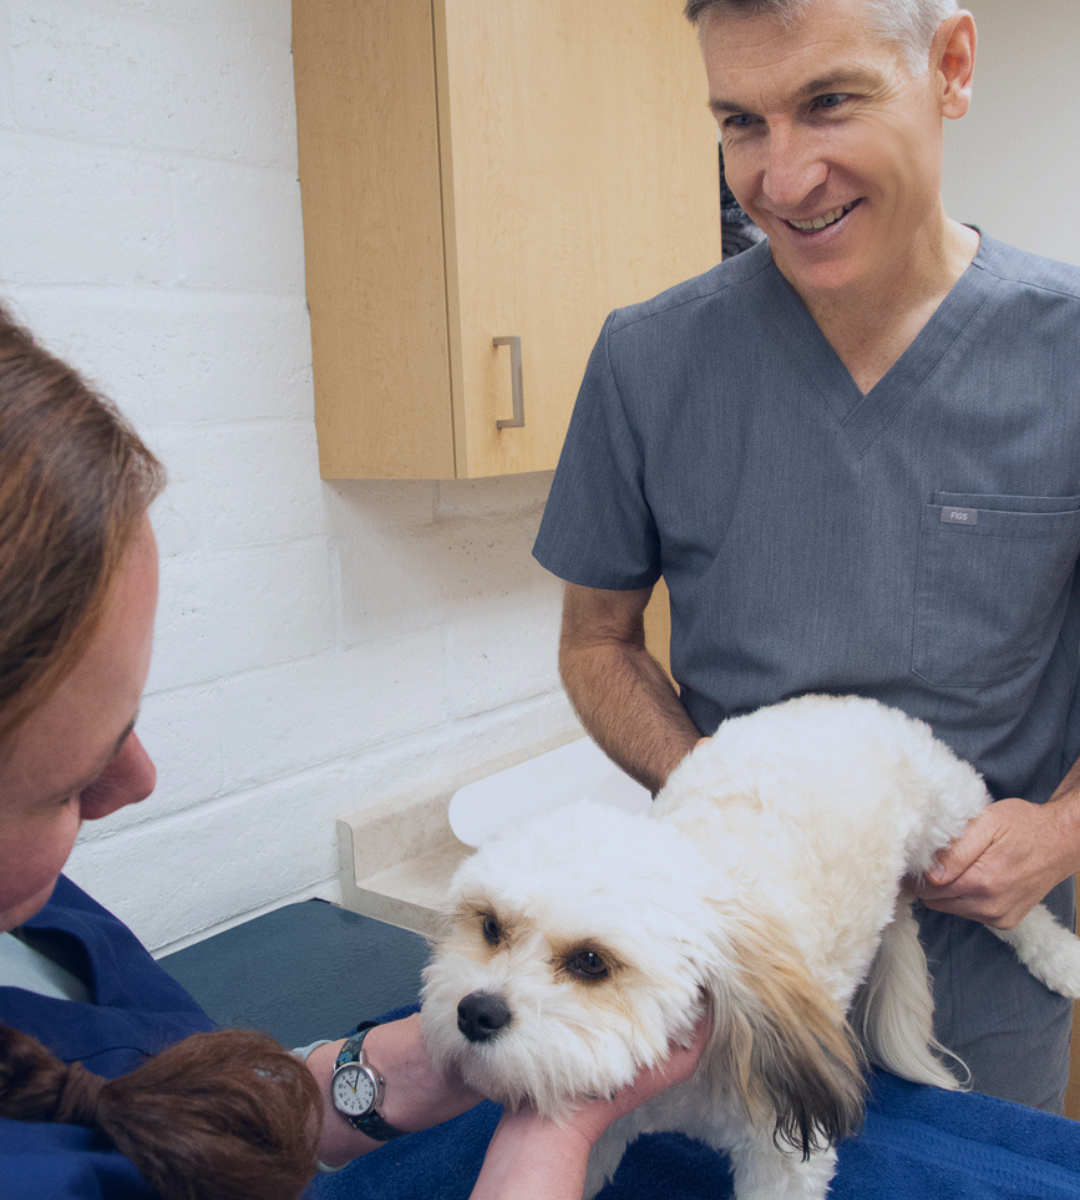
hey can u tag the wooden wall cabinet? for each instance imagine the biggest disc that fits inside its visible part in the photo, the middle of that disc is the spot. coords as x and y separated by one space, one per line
482 169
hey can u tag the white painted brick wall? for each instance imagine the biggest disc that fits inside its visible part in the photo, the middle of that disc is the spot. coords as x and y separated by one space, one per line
319 647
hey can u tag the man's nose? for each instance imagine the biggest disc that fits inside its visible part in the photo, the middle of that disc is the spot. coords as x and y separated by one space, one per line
129 778
794 168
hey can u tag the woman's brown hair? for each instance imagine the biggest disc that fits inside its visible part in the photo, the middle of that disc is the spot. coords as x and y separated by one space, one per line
219 1116
75 483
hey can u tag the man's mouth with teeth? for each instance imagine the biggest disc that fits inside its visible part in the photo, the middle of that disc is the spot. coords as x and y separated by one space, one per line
823 222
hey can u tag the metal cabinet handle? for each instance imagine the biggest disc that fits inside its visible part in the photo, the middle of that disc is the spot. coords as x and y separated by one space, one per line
515 374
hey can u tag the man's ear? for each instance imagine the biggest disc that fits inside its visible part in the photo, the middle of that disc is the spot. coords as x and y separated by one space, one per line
952 56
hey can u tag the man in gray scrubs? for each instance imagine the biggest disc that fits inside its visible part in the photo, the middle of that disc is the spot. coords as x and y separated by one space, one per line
852 452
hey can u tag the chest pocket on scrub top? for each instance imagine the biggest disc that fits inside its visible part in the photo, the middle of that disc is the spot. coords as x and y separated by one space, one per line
991 584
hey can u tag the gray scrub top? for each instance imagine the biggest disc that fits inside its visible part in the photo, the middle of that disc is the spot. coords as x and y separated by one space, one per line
917 544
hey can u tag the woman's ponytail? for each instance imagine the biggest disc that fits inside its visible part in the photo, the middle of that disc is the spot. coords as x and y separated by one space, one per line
218 1116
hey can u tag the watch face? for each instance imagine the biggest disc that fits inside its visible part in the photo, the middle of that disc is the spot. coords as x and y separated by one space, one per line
353 1090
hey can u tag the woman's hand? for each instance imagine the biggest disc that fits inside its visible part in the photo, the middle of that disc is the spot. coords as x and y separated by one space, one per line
593 1117
533 1158
530 1156
416 1096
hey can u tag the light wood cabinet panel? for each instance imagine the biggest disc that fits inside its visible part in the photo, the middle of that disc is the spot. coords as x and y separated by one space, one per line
475 169
658 625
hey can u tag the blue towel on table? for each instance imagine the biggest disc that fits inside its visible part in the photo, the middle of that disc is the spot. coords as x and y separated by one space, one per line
919 1143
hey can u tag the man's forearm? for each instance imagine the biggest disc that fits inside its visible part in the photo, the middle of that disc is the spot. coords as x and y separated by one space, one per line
1064 804
627 703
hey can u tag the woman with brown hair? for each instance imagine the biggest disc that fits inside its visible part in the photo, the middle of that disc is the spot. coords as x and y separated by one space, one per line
112 1081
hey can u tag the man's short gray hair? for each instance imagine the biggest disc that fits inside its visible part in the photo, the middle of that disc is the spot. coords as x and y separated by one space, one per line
910 24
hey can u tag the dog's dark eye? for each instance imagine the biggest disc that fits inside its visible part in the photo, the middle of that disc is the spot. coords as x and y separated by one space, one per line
588 964
492 932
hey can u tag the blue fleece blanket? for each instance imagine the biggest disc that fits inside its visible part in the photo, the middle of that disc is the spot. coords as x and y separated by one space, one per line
919 1143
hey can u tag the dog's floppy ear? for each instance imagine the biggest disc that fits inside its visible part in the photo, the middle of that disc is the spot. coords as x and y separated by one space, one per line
781 1041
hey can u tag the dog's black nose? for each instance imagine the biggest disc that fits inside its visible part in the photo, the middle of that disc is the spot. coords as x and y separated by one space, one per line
482 1015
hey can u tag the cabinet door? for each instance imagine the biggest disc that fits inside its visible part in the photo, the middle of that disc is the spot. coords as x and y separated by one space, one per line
579 170
367 120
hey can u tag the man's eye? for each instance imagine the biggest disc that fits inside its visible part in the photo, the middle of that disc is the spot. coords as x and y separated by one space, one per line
738 121
832 100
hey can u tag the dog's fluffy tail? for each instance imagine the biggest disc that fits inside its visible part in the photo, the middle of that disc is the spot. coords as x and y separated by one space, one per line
893 1012
1047 949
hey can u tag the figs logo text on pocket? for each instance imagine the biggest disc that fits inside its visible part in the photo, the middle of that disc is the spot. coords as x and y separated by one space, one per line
959 516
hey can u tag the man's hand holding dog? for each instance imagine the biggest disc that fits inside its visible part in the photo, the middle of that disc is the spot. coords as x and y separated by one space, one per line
1007 859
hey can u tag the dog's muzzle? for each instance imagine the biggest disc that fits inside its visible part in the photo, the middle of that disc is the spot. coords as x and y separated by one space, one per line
482 1016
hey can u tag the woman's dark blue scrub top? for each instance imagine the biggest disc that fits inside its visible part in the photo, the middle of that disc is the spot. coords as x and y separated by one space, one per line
138 1010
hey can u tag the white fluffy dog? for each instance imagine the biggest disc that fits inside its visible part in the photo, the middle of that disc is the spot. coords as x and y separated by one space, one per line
767 882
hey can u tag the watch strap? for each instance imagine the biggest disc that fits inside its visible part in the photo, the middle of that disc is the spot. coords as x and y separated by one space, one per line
370 1123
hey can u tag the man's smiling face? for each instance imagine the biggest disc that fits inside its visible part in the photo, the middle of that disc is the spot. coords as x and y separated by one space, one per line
831 144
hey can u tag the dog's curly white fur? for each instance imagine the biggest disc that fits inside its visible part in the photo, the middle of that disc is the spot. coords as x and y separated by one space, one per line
768 883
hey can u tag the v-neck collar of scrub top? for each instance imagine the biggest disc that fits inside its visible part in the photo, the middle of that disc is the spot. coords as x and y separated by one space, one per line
864 417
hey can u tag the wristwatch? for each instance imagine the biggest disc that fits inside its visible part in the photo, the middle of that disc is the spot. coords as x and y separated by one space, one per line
356 1088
